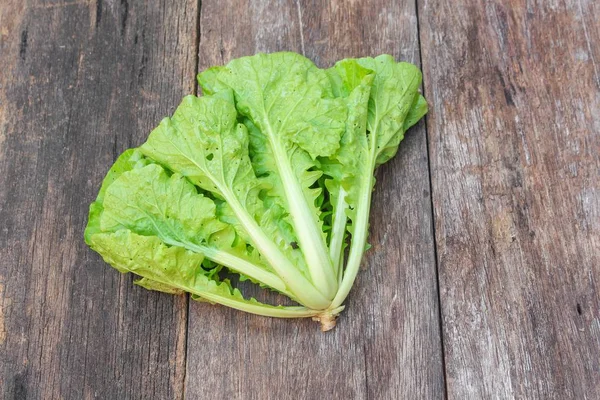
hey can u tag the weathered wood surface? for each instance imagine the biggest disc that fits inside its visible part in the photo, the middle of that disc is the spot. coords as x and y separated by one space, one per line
387 342
81 82
515 153
514 145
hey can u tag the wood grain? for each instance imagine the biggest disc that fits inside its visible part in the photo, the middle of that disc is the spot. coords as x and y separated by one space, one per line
80 82
515 154
387 342
514 147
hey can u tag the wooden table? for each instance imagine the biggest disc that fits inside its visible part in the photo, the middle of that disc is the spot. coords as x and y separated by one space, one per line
484 277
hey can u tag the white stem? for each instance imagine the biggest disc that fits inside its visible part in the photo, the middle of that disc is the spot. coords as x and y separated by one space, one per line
338 231
357 249
360 232
309 235
285 312
302 288
253 308
241 266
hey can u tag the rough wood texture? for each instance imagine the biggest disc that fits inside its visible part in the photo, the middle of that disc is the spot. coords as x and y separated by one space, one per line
387 342
80 82
514 144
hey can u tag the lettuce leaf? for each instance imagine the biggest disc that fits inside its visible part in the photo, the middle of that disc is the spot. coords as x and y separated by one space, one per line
293 117
393 96
269 174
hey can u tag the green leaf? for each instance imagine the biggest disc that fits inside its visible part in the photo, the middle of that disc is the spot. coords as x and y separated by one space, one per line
128 160
393 97
204 142
158 286
418 111
292 117
207 80
394 92
175 268
139 195
150 202
270 175
351 164
289 99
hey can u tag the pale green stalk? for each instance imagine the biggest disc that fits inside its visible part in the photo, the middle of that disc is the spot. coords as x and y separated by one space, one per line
360 233
279 312
241 266
338 232
309 235
303 289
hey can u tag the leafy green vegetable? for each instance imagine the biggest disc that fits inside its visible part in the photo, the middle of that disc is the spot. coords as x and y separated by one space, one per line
269 175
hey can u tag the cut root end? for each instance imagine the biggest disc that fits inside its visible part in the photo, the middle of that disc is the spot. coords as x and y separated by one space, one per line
327 321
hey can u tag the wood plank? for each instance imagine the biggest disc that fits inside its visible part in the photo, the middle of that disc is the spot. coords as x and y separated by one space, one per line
81 82
387 342
515 154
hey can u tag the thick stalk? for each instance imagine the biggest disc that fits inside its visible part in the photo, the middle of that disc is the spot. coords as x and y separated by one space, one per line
338 231
241 266
303 289
309 235
357 248
228 260
341 268
360 233
278 312
285 312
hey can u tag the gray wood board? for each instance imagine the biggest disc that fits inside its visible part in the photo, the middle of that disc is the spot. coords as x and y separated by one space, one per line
81 82
514 145
514 93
